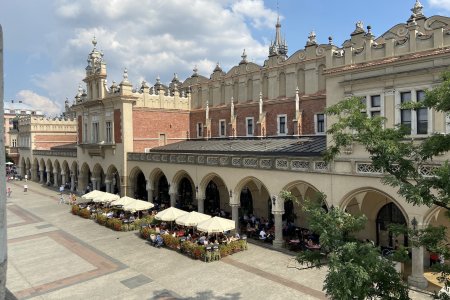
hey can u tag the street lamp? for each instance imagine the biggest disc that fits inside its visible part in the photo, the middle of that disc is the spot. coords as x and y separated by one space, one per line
414 223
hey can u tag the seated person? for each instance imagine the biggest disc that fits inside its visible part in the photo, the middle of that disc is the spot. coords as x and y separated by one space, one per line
159 241
132 219
122 215
109 214
201 240
262 234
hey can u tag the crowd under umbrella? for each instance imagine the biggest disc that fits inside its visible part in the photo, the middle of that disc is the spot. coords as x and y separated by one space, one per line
125 200
192 219
105 198
170 214
92 195
138 205
216 225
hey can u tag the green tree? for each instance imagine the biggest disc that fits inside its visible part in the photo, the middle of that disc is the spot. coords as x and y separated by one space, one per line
356 270
401 158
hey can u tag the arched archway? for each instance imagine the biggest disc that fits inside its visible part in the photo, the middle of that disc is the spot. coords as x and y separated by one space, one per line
98 178
293 212
49 172
65 174
215 194
185 188
57 174
380 210
84 179
42 171
74 173
389 214
22 167
113 180
138 184
253 194
28 168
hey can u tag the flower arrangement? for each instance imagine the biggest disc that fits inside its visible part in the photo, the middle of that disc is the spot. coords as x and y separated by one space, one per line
75 209
84 213
101 219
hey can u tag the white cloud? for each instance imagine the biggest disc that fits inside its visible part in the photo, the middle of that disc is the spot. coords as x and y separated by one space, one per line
39 102
150 38
445 4
259 15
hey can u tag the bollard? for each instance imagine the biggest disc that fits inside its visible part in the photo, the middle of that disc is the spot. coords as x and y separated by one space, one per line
25 188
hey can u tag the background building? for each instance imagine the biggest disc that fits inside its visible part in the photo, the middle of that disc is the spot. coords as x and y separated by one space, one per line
234 140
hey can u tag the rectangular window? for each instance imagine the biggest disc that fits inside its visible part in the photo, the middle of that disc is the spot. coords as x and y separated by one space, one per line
95 132
162 139
422 115
405 114
375 101
85 133
320 123
222 128
199 129
109 132
282 124
249 125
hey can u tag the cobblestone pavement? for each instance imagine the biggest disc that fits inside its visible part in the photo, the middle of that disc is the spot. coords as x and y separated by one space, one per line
55 255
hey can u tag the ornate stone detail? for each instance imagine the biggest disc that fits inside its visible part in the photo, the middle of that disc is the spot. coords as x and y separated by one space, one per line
428 170
299 165
181 158
367 168
250 162
224 161
236 161
149 157
201 159
191 159
212 160
173 158
265 163
156 157
320 166
281 164
302 55
142 157
164 158
320 51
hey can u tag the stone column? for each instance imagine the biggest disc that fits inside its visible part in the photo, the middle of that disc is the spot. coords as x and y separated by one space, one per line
149 195
3 237
72 182
173 199
48 178
201 204
235 214
278 211
416 278
94 183
63 178
55 179
41 175
108 185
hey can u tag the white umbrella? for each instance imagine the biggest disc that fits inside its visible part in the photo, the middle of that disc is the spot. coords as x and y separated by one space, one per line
170 214
9 163
138 205
216 225
125 200
106 197
92 195
192 219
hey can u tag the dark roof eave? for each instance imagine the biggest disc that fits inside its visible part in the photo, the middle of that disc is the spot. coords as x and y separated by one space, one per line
253 153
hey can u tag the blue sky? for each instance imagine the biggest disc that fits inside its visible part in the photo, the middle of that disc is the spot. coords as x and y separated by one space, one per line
46 42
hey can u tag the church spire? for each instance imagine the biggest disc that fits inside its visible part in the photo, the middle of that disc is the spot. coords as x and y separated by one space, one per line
278 46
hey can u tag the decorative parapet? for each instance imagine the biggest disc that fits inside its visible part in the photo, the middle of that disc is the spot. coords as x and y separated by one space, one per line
235 161
59 153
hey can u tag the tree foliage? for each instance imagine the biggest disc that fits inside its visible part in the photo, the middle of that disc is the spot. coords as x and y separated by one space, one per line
356 269
402 159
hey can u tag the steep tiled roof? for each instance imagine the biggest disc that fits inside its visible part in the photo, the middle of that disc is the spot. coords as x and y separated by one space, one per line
303 146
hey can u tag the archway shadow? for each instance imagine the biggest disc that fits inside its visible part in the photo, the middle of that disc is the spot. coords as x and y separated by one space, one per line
203 295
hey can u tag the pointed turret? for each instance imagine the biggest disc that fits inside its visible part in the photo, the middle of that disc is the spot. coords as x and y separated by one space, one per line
95 73
278 46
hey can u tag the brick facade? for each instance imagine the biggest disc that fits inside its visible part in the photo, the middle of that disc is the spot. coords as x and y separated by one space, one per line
45 142
117 126
150 125
80 129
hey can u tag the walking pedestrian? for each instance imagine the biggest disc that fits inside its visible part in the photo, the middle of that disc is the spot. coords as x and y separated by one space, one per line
61 199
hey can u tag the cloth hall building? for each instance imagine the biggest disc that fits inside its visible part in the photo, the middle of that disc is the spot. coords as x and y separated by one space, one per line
234 140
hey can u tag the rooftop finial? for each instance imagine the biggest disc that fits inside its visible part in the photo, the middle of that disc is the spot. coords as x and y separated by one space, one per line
195 74
416 12
244 58
311 38
278 46
94 41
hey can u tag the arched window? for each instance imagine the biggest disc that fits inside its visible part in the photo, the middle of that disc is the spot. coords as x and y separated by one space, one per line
236 91
301 81
389 214
265 89
282 85
250 90
321 86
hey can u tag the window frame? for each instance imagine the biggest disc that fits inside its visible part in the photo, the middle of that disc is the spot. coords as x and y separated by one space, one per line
247 126
224 122
199 129
285 128
109 132
316 124
414 113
